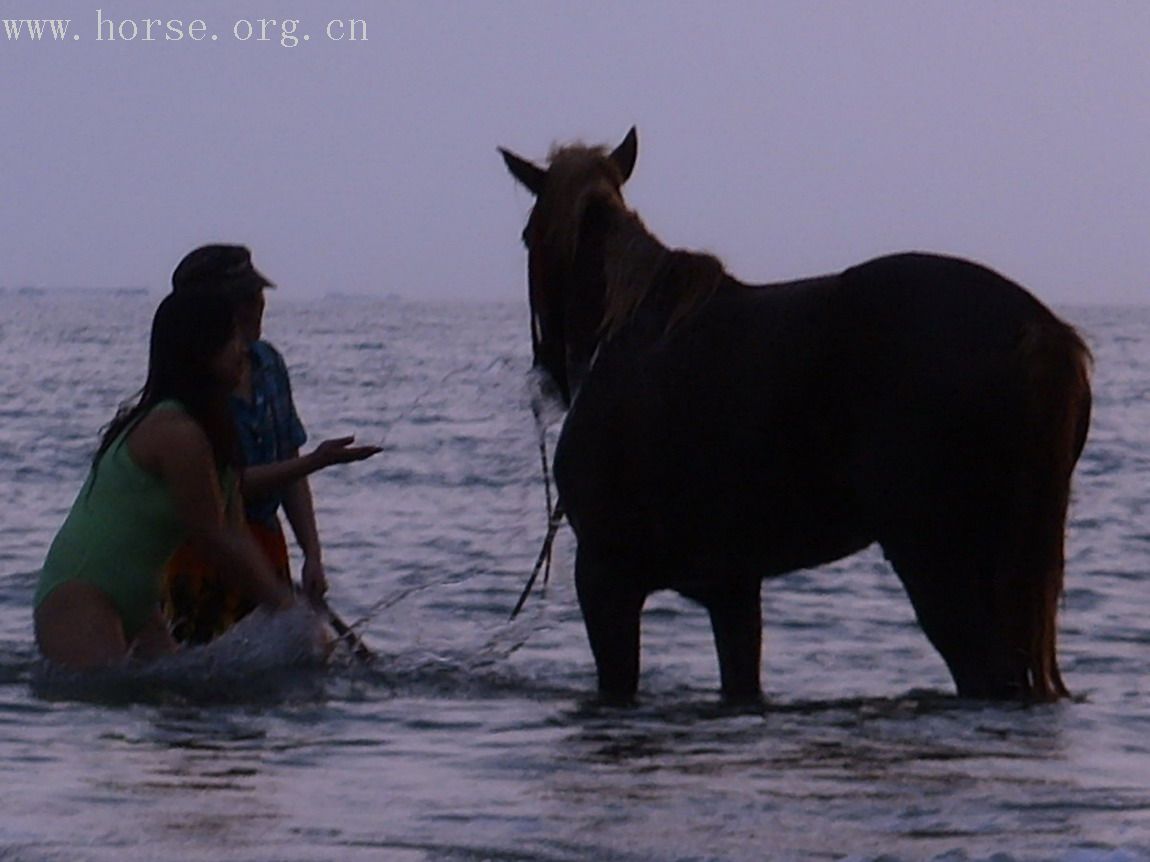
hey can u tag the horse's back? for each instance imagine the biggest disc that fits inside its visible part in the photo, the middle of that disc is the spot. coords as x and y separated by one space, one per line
944 337
945 301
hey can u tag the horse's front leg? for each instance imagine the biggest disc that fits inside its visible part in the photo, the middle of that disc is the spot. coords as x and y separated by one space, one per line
737 621
612 603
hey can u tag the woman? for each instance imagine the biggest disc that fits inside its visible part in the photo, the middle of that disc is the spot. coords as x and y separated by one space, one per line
164 472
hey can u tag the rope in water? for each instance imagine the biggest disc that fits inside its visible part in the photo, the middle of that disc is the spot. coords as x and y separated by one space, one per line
345 633
433 387
555 516
348 633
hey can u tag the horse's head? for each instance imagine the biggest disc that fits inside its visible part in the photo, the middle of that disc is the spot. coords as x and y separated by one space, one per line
565 284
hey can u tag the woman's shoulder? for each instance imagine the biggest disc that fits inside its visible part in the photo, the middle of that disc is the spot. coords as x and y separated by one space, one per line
170 420
166 432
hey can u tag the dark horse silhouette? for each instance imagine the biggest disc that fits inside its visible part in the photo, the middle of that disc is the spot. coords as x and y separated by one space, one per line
719 433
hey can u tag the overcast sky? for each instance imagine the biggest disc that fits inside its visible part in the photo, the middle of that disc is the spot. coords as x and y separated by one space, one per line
789 138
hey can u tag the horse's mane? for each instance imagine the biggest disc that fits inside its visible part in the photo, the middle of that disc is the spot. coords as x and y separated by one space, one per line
638 267
637 264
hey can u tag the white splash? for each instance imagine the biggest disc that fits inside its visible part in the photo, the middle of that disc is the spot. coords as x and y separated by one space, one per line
261 656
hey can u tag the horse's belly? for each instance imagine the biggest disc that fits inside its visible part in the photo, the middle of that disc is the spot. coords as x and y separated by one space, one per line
677 508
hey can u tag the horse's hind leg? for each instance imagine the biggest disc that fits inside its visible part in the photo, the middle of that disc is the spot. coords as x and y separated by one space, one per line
951 591
611 604
737 622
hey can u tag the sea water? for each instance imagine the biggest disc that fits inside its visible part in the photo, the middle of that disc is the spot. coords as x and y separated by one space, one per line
475 738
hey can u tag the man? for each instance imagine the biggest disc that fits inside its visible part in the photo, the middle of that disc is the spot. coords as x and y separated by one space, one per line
201 603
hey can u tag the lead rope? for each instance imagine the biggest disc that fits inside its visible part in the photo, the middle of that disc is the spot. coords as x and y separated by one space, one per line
555 515
349 633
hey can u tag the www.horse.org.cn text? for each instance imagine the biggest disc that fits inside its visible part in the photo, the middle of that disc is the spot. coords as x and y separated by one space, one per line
286 32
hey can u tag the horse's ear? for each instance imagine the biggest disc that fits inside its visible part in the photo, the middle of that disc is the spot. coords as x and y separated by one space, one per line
531 176
625 154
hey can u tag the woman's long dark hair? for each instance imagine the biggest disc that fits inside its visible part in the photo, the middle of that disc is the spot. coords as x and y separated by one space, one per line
188 331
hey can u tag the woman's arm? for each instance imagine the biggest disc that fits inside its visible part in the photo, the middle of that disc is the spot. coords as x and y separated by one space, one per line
173 447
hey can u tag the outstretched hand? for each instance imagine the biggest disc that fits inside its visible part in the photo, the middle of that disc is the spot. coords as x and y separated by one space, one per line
340 451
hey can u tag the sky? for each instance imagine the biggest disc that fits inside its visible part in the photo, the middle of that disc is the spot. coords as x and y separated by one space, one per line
789 137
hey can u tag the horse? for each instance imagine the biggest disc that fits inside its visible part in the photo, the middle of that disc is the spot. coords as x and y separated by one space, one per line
718 433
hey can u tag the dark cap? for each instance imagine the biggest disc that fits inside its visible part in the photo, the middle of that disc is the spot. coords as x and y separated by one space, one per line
227 268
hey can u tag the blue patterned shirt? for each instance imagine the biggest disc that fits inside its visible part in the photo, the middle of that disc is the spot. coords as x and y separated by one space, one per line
269 428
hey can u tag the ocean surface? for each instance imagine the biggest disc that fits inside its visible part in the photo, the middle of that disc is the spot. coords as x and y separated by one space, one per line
472 738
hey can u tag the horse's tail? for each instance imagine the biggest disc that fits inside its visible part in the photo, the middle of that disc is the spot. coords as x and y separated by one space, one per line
1056 365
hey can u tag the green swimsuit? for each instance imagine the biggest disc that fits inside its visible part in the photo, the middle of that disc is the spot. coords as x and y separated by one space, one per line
117 537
